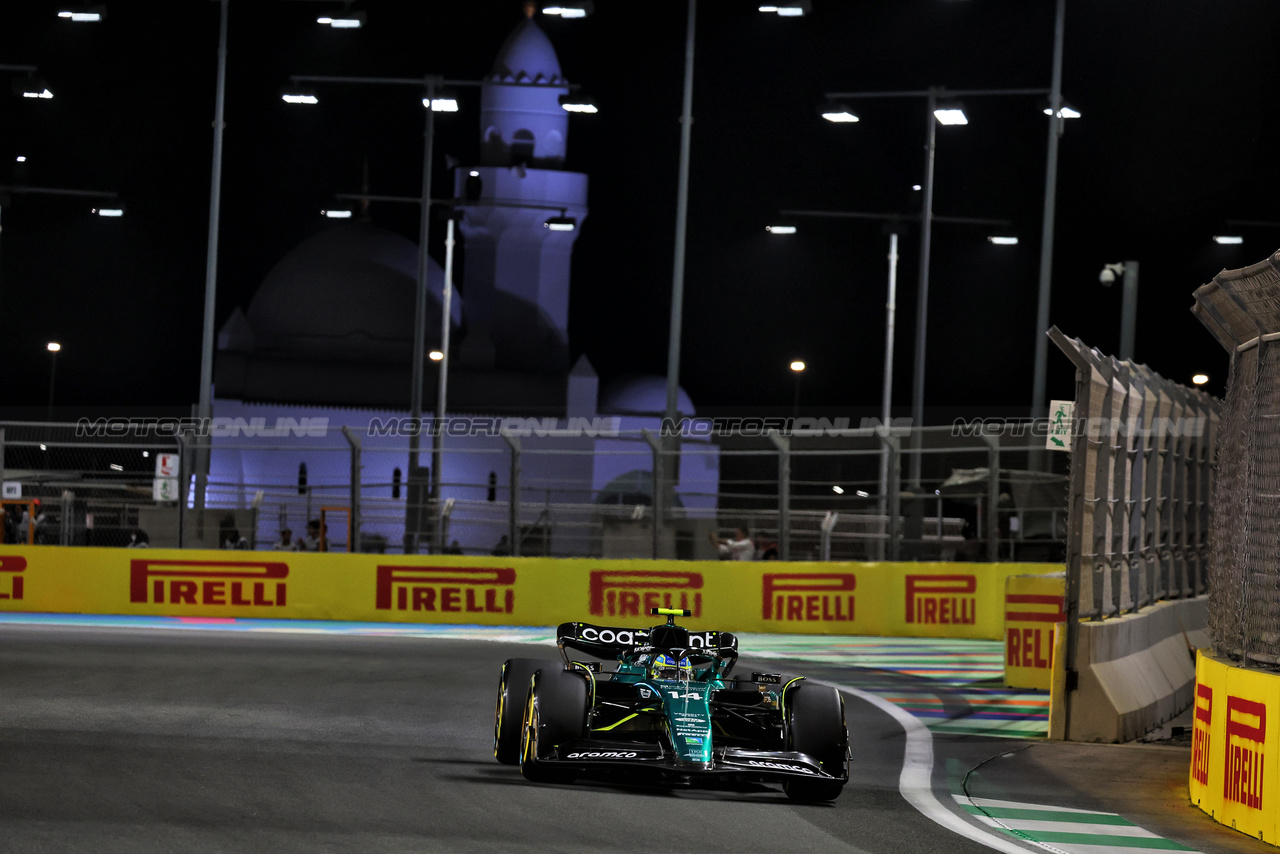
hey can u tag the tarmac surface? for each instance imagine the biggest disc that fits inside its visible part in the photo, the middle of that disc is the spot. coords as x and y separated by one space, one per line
147 740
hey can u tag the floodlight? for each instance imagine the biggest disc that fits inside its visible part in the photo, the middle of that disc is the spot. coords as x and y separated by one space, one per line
84 14
1003 241
560 223
834 111
296 95
117 210
436 356
951 114
32 87
780 229
570 10
345 20
336 213
797 366
1200 379
788 8
443 102
1228 239
578 103
1065 112
53 346
838 490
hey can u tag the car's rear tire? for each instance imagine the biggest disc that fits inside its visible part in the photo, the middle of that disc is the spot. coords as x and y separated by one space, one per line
508 716
816 726
555 712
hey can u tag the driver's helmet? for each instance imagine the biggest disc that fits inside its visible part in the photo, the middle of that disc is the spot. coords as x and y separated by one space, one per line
666 667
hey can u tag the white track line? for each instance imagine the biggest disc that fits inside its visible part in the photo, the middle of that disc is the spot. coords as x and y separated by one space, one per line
916 781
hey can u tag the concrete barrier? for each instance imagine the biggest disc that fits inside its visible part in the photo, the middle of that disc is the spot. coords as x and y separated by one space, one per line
1135 672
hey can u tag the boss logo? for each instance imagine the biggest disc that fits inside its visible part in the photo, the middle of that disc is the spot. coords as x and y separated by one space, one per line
779 766
603 754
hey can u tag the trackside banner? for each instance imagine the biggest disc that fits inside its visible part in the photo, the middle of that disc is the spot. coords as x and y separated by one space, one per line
899 599
1033 605
1235 746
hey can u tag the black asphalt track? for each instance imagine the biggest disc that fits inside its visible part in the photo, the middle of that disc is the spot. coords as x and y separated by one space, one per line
175 741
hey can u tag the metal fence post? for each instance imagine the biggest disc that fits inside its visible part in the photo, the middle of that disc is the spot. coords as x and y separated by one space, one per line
894 482
1 455
356 469
656 447
993 497
513 500
183 485
783 444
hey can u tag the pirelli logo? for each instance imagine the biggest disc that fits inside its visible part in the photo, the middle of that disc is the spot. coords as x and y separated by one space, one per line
448 589
809 596
631 593
942 599
11 568
1200 734
208 582
1246 734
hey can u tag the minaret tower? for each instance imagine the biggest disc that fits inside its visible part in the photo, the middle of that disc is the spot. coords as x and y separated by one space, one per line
517 269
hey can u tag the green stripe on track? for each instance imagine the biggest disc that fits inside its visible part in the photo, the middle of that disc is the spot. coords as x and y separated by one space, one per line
1098 839
1050 815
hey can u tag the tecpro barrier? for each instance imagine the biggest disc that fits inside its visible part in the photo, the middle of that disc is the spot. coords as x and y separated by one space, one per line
1235 769
896 599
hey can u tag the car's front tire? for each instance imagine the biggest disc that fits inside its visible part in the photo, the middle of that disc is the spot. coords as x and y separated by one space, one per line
555 712
508 716
816 726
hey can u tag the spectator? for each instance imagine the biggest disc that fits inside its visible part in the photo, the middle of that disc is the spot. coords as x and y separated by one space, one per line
233 540
738 547
503 547
311 540
286 543
138 539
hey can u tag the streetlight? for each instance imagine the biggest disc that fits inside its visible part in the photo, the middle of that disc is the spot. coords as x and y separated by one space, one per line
797 368
54 348
434 101
942 108
1129 310
893 222
1200 379
83 13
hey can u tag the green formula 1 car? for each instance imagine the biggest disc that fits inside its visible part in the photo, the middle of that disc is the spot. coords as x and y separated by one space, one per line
667 712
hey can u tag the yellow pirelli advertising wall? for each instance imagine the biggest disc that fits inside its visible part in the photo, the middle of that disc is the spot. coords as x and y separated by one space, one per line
902 599
1235 746
1033 606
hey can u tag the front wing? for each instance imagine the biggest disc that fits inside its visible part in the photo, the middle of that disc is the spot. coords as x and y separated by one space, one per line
728 763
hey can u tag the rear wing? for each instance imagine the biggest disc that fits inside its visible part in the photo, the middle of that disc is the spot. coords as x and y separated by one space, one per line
611 642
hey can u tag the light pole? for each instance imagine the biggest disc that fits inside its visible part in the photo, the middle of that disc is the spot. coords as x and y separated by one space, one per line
665 465
1057 117
939 111
797 368
1129 303
54 348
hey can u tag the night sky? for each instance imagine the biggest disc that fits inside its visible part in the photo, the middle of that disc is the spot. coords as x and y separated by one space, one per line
1178 137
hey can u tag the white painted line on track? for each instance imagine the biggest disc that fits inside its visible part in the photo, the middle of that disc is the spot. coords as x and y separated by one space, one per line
1018 805
916 781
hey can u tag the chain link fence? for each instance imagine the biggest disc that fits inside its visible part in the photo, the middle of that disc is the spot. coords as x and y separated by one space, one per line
1242 310
1141 475
807 489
